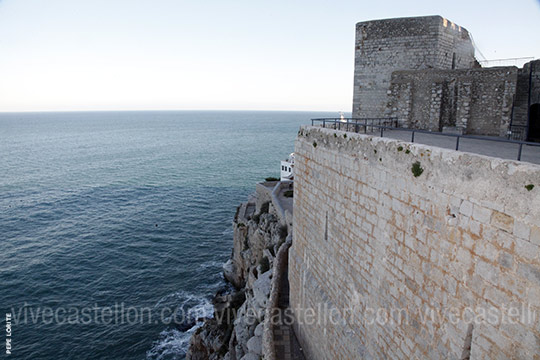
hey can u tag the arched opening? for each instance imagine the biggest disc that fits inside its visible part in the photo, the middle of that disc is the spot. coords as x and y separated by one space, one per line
534 123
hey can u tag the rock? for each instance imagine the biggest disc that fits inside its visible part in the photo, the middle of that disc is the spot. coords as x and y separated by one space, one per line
237 328
207 341
250 356
261 289
254 345
244 326
259 330
226 305
229 272
239 350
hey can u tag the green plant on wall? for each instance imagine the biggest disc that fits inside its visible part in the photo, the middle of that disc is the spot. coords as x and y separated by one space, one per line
417 169
529 187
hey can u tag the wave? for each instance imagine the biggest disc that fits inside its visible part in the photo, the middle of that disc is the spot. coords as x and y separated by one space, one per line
173 342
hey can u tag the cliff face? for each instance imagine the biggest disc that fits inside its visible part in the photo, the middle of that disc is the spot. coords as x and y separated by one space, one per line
236 331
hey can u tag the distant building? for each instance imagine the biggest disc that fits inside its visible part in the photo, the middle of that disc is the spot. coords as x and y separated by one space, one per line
287 168
422 70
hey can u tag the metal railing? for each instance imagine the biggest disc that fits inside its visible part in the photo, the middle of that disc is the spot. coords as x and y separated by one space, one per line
374 123
342 122
517 132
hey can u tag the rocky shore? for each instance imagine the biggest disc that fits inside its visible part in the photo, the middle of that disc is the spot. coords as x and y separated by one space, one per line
238 330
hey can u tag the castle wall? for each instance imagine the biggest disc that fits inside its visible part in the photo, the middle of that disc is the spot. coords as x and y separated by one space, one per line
384 253
384 46
475 101
528 85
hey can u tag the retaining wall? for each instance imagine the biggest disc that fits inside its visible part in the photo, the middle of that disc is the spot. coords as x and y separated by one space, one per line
388 265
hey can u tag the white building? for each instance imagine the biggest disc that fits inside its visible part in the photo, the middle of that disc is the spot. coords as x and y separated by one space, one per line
287 168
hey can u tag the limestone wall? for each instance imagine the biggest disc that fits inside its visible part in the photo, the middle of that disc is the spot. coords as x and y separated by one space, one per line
384 46
527 94
388 265
475 101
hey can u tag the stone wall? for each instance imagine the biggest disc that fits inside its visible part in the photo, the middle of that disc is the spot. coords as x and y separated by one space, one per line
384 46
384 263
474 101
527 94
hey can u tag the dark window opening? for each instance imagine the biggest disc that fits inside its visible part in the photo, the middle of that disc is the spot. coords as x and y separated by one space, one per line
534 123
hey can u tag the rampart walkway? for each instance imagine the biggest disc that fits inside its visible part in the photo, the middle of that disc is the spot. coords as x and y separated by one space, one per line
489 148
483 145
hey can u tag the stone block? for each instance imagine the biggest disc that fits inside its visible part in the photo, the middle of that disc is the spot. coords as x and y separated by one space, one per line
502 221
522 230
530 272
481 214
466 208
535 235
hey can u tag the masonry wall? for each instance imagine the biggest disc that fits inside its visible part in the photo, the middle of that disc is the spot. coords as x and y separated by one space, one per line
474 101
383 46
527 93
372 239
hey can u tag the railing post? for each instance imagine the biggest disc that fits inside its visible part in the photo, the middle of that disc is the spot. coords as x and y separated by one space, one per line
457 143
311 122
339 126
412 137
365 127
324 123
520 149
382 129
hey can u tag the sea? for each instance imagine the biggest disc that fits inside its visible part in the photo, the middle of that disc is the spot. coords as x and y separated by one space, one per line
114 225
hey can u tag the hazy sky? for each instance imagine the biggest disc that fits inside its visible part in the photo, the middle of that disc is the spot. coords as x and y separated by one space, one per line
210 54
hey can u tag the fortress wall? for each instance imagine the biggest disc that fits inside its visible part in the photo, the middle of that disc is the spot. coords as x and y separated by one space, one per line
383 263
476 101
455 49
384 46
528 84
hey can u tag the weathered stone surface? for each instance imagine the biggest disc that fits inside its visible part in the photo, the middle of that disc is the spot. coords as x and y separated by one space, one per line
261 289
236 329
250 356
254 345
384 46
208 342
259 329
229 272
369 236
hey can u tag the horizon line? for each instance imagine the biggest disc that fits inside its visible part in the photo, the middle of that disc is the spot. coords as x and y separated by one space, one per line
156 110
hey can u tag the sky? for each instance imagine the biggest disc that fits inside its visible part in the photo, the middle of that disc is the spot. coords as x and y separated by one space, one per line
70 55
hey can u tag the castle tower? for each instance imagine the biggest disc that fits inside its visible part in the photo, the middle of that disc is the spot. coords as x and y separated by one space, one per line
416 43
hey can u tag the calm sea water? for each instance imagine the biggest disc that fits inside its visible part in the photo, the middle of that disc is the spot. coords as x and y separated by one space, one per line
107 218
